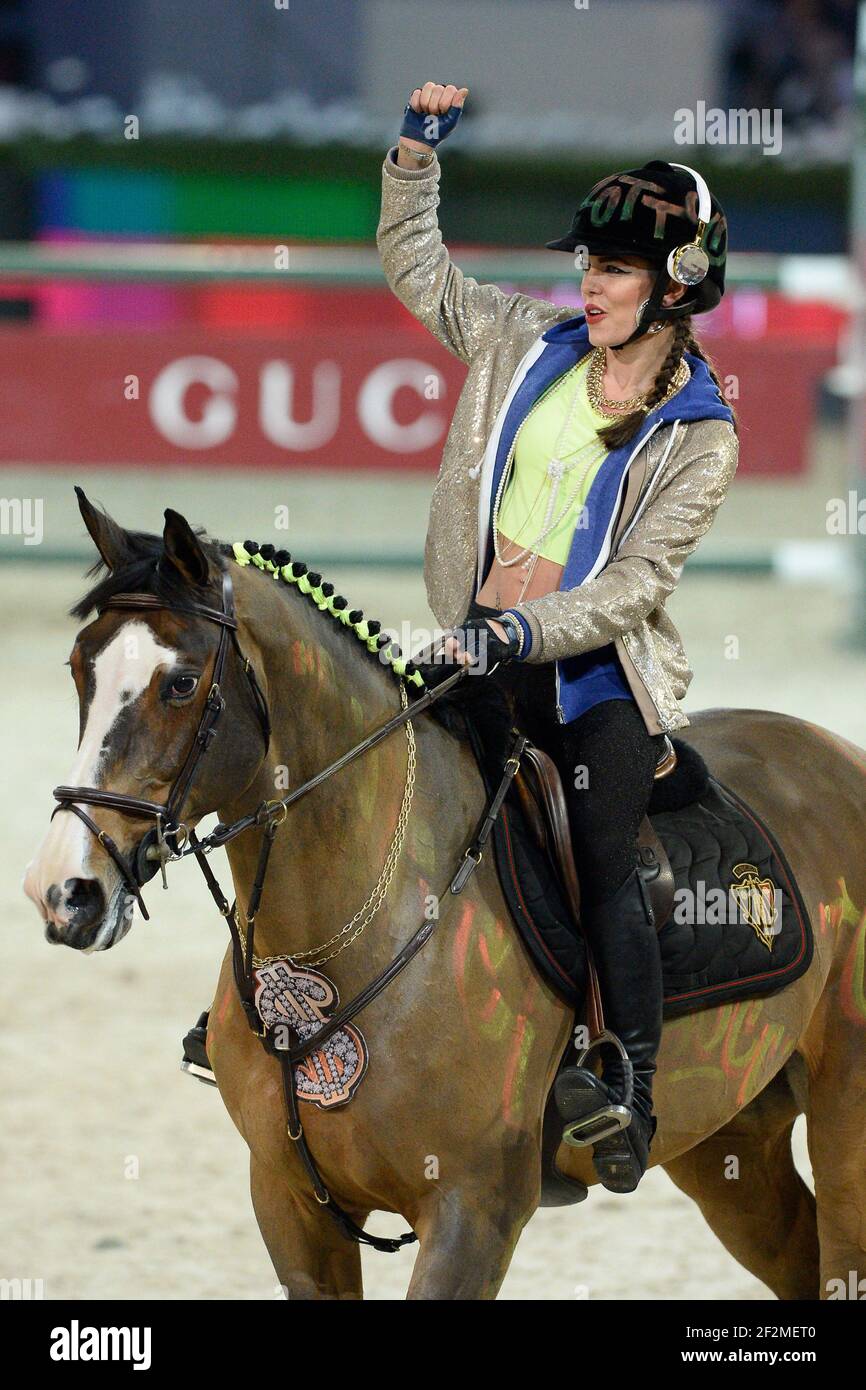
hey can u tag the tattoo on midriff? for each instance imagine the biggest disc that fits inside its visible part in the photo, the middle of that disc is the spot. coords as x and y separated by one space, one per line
503 584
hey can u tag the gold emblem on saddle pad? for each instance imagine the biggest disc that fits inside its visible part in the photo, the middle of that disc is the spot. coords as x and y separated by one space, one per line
303 999
756 902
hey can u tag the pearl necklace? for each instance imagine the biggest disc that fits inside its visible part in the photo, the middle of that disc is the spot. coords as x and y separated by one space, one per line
556 469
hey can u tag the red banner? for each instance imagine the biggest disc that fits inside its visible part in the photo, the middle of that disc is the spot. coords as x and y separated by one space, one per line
380 399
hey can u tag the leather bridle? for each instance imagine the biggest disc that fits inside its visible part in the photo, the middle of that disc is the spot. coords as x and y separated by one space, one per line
172 839
155 849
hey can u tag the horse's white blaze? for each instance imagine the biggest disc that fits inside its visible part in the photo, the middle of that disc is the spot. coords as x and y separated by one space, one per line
122 670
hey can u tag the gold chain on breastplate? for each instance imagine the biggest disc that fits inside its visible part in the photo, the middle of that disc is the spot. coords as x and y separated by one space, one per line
353 928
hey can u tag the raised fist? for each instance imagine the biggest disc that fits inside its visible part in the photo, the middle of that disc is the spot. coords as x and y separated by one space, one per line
432 112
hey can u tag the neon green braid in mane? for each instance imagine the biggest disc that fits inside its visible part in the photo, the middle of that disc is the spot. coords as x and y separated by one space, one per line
280 565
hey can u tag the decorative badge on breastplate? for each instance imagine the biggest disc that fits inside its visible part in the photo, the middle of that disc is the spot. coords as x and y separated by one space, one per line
304 999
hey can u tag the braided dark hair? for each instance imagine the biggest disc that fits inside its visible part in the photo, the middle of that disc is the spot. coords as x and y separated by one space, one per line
615 435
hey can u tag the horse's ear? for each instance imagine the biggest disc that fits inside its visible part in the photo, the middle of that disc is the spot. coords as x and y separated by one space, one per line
183 549
107 536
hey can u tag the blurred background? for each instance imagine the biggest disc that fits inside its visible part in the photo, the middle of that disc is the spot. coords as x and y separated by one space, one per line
192 314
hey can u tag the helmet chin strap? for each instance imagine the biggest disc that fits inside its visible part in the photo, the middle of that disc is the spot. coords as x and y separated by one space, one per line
652 310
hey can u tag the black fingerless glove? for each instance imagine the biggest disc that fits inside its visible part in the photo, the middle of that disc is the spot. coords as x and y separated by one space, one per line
476 636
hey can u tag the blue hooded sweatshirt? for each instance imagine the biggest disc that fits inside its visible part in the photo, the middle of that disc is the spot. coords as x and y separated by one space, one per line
588 678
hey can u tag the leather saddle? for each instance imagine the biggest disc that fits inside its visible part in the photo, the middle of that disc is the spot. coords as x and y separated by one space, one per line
543 803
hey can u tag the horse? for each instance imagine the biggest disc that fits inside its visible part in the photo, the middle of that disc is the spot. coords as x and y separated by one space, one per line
463 1044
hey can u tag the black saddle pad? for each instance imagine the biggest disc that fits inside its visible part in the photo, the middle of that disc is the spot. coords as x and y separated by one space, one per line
717 946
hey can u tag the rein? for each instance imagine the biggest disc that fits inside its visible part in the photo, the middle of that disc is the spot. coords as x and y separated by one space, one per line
171 839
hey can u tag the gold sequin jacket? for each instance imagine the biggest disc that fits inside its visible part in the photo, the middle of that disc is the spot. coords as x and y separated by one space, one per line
676 479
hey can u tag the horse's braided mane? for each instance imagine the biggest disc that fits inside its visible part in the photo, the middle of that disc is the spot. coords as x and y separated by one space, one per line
486 702
139 571
280 565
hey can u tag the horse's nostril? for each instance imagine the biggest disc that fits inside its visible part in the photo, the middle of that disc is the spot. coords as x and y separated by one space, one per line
85 901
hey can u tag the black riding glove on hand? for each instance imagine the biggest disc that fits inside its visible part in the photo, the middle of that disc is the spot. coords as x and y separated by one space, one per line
477 638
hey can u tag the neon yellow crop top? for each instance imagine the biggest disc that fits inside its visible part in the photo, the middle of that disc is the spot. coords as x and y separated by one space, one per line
521 521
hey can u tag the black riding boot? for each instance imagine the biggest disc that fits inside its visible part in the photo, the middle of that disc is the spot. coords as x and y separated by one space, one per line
622 935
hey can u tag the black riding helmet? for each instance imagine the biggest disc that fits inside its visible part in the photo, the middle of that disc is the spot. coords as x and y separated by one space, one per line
665 214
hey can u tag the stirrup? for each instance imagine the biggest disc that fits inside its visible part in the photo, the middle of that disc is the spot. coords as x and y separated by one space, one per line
195 1059
200 1073
598 1124
598 1116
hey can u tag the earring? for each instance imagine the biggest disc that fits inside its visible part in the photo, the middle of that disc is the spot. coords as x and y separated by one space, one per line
654 327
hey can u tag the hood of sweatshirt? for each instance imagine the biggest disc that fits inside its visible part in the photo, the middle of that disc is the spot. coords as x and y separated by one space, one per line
699 399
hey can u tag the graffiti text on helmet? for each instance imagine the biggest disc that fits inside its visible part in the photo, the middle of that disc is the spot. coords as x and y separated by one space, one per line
606 199
605 196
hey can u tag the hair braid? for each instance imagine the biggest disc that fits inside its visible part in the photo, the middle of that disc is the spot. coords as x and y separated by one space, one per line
614 436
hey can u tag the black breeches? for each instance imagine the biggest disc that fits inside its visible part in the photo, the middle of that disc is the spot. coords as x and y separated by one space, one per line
606 759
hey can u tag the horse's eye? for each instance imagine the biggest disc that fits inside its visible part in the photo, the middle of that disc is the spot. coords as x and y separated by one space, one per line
182 687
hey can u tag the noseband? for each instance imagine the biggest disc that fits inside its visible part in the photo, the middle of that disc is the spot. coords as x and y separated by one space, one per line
170 833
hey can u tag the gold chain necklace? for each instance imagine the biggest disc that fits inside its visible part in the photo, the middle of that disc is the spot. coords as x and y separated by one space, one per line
605 406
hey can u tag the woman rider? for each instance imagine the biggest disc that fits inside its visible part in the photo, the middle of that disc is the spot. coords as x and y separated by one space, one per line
586 458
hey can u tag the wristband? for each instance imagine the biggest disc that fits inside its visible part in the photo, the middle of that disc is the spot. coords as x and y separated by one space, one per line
422 157
523 629
514 630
